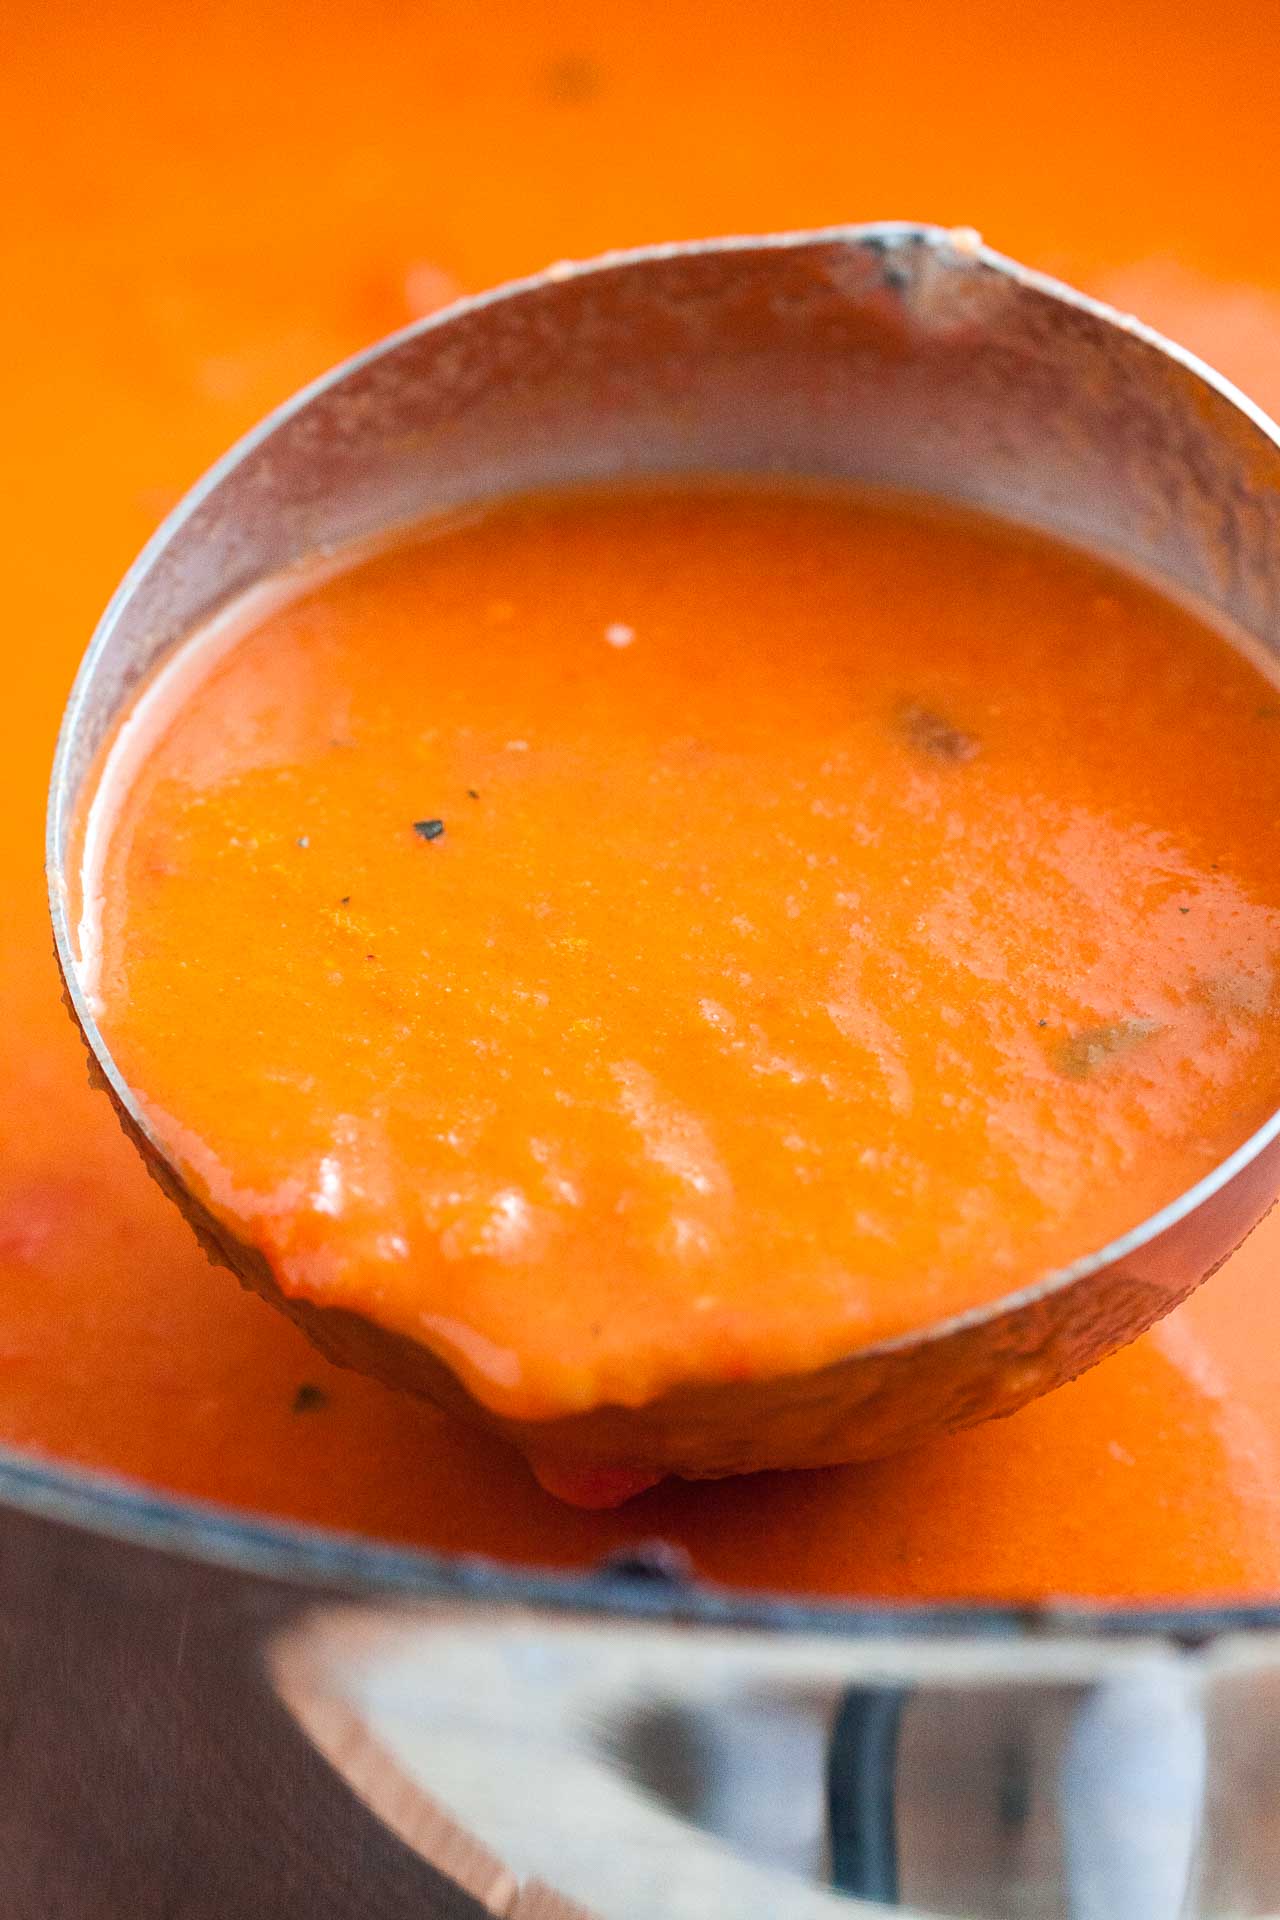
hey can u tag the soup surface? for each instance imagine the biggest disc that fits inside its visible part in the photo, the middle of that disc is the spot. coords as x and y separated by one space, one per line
632 937
238 195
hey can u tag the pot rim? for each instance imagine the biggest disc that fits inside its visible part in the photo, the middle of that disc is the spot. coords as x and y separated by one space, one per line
129 1512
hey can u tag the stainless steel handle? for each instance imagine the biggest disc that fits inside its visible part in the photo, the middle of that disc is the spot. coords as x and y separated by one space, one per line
195 1743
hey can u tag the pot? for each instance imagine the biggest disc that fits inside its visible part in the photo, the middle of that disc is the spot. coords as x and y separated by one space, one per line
210 1715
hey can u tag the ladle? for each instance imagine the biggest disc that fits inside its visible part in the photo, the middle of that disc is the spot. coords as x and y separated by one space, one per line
901 355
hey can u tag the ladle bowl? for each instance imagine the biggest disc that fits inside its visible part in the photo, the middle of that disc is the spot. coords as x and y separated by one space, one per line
895 355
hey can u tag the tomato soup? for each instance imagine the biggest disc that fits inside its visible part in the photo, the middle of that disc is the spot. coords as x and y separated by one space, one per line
643 937
236 197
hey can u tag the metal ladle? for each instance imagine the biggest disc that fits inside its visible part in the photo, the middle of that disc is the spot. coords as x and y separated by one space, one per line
899 355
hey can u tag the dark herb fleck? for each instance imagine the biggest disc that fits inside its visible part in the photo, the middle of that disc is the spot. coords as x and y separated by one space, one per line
309 1398
428 829
1236 993
657 1561
345 900
1095 1047
573 79
472 794
930 733
1184 909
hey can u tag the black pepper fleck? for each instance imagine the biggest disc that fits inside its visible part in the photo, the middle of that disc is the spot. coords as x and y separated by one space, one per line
345 900
428 829
1043 1023
472 794
1184 909
309 1398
